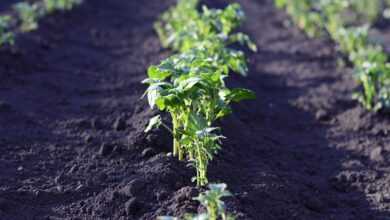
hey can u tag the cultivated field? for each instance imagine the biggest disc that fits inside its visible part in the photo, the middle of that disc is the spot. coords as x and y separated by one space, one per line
284 104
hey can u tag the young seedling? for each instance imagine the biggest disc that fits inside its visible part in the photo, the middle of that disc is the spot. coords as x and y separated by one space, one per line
212 201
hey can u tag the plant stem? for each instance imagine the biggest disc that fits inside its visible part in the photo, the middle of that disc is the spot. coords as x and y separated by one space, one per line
213 211
201 180
176 144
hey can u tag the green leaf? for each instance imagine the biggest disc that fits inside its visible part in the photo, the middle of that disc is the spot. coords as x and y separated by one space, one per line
226 110
161 103
155 90
219 187
196 122
170 100
243 39
189 83
154 122
157 74
237 95
153 95
237 63
205 132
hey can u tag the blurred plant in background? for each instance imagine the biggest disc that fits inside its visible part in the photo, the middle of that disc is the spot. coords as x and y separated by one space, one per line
27 16
348 23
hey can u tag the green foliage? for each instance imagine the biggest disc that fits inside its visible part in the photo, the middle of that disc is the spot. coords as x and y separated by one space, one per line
369 10
6 36
182 27
191 88
348 23
212 201
60 5
29 14
173 23
190 85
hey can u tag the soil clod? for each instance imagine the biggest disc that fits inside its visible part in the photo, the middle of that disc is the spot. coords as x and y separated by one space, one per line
106 149
120 124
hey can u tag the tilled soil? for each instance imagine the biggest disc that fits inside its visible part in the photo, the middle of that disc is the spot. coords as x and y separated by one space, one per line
71 125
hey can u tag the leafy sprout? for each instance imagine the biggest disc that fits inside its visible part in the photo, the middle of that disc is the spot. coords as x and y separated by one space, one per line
212 201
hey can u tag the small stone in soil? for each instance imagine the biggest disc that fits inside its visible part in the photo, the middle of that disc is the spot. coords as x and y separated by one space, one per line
119 124
58 179
97 124
79 187
131 206
83 123
133 188
185 193
322 115
88 138
376 155
118 149
148 152
161 196
105 149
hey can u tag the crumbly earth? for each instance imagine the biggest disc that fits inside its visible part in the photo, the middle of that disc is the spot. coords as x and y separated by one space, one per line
71 125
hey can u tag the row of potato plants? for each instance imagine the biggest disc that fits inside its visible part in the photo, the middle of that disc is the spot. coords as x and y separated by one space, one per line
27 15
190 85
348 23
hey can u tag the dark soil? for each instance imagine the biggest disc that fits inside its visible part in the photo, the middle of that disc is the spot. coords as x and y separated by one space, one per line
71 125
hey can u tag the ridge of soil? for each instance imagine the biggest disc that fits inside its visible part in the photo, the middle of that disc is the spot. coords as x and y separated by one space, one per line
71 125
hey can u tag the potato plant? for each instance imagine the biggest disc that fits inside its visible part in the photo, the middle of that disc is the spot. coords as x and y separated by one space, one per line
182 27
304 17
192 89
212 201
348 23
6 36
190 86
28 13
